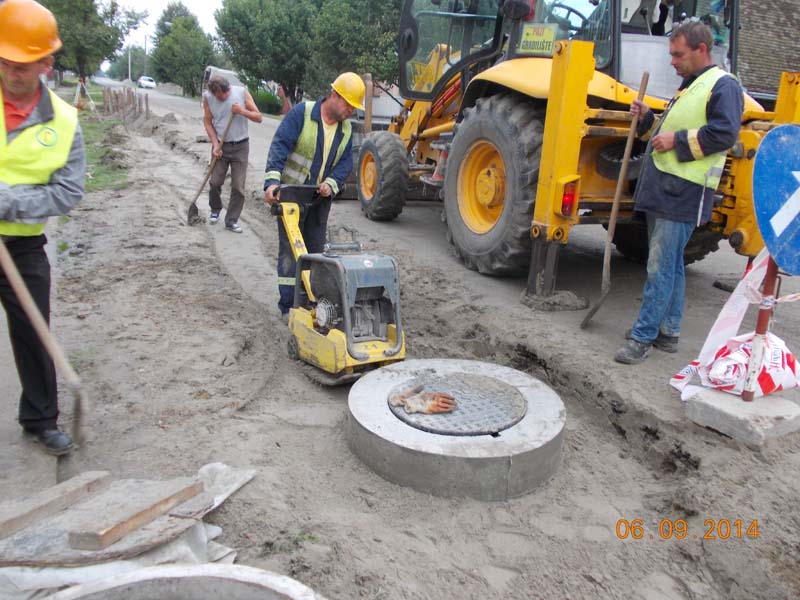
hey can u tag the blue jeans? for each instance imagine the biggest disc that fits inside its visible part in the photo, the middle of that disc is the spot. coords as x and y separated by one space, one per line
662 300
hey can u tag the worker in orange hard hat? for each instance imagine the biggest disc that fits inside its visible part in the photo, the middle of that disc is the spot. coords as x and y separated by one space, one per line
313 145
42 166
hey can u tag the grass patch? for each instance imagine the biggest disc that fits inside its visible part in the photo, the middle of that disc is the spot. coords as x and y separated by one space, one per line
63 219
62 247
105 168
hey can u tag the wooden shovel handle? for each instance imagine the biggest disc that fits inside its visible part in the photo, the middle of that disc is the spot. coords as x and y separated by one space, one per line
214 160
623 170
36 318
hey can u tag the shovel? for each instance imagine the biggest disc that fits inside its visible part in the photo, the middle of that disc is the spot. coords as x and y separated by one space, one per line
193 216
612 222
55 352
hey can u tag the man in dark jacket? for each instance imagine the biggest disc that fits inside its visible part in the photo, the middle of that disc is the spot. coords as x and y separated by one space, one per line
312 146
678 181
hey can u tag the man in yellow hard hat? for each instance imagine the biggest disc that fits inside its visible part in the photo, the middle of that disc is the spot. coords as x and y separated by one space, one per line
312 146
42 166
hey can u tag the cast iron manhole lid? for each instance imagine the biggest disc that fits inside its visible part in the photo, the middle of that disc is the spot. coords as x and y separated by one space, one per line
485 405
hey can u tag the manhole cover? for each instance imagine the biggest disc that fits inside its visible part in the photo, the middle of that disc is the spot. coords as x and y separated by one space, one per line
485 405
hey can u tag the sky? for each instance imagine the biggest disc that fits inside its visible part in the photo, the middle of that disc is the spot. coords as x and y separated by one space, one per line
203 10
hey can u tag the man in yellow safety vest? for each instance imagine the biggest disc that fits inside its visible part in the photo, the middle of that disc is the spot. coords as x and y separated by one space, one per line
42 167
686 157
312 146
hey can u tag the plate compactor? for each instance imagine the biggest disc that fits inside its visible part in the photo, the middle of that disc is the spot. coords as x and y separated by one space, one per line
346 315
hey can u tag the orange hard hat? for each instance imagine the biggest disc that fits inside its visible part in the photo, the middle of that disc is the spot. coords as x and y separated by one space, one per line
29 31
350 87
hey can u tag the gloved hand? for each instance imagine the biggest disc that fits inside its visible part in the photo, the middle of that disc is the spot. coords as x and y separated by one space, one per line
414 400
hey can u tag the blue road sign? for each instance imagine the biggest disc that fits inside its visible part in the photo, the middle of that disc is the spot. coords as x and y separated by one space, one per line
776 195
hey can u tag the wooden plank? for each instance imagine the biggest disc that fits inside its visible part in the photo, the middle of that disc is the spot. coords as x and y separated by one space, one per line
18 514
127 506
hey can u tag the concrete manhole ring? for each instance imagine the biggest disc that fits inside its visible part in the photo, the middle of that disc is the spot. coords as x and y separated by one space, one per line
508 463
486 405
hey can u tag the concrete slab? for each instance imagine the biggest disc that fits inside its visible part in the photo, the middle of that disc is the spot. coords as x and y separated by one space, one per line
752 423
510 463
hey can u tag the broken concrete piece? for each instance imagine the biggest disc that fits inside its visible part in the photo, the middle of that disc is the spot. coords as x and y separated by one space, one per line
752 423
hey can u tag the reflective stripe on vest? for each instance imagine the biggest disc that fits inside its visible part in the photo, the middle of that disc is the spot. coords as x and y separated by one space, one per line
688 112
35 154
297 168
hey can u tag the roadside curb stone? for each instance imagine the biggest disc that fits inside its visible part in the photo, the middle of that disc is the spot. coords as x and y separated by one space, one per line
753 423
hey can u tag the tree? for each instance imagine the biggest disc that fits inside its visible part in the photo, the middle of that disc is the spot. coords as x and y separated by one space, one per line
354 35
119 66
173 11
183 54
91 32
268 39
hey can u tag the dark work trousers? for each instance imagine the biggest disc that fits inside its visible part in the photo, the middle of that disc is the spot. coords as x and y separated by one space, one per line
313 226
38 403
234 155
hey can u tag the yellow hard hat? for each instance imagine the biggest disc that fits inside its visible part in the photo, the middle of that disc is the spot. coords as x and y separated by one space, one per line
350 87
29 31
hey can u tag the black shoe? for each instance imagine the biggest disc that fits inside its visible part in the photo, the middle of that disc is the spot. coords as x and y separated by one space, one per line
55 442
632 353
665 343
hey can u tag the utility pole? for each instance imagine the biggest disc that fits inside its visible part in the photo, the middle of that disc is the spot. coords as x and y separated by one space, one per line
145 55
129 62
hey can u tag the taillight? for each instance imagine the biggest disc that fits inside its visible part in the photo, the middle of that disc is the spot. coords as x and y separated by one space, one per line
568 199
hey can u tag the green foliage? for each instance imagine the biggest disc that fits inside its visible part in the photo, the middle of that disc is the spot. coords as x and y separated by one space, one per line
268 39
353 35
173 11
183 54
119 67
268 102
90 31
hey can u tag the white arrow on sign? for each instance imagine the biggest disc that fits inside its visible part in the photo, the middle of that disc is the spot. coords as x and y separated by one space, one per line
781 219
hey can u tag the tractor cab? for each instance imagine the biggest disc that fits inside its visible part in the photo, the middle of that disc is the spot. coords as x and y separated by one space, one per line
442 39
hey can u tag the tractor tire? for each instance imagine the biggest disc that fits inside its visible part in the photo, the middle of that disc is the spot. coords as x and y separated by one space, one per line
631 241
382 176
490 183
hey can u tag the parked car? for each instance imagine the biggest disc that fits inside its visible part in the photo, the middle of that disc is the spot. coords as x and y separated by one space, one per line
146 82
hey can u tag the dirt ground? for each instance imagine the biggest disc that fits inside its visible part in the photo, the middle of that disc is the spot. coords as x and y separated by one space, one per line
175 332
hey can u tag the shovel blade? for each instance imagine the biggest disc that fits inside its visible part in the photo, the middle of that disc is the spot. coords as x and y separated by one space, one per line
193 216
593 309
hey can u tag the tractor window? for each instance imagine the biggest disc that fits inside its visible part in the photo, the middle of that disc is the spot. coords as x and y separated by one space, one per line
646 26
438 35
588 20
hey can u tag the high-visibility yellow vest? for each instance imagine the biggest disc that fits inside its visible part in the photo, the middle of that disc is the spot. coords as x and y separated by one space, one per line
689 112
297 168
35 154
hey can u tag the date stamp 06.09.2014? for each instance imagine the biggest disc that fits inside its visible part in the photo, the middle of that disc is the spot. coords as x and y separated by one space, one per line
678 529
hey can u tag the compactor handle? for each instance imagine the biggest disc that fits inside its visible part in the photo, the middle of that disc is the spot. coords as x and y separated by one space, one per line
304 195
334 247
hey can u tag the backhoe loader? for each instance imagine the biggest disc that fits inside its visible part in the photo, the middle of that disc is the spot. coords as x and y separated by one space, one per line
517 110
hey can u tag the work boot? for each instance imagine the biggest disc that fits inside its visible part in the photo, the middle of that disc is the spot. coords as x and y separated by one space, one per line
632 353
665 343
55 442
